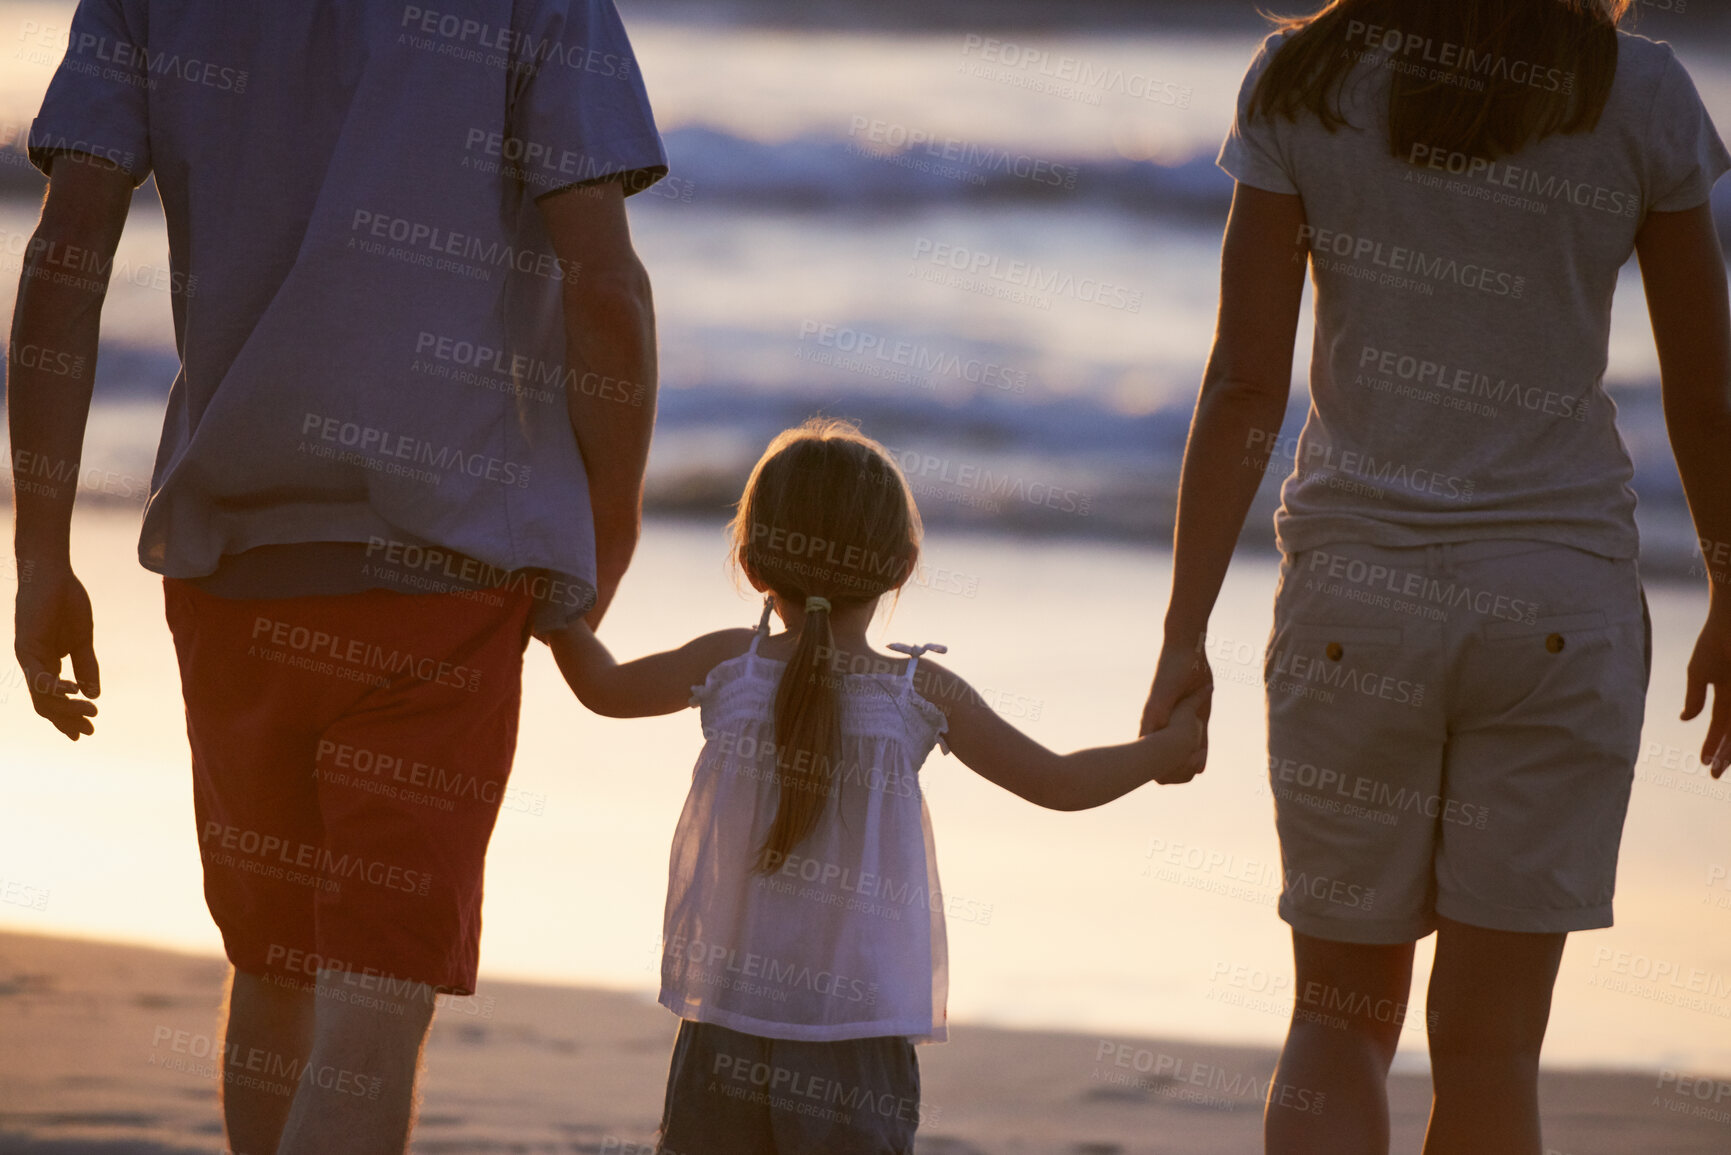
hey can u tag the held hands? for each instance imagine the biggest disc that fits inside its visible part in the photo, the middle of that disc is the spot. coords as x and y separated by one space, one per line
615 542
53 620
1188 726
1711 666
580 657
1182 679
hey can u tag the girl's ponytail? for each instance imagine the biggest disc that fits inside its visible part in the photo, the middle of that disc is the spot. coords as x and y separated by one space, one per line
826 517
807 724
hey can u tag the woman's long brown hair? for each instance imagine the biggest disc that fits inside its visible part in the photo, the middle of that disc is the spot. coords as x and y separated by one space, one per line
1479 77
826 513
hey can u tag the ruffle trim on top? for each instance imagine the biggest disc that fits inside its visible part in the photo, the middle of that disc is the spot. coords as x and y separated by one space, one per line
932 716
720 674
736 667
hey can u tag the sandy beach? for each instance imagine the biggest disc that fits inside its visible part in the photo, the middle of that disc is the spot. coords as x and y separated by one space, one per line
106 1048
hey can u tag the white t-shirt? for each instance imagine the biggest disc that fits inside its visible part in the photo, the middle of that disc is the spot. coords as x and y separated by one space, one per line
1463 310
845 939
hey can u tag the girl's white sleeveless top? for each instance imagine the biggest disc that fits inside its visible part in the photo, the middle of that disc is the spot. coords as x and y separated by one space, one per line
845 940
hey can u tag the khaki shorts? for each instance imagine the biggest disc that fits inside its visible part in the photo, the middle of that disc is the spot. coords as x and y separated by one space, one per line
1452 730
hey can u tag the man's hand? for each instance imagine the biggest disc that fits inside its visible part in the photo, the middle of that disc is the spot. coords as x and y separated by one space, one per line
53 621
615 543
58 308
1711 666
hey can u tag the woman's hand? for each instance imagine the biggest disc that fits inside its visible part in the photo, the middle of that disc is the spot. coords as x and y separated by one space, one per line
1182 675
1711 666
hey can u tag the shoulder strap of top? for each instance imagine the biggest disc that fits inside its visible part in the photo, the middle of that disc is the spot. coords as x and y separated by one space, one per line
750 655
762 631
913 653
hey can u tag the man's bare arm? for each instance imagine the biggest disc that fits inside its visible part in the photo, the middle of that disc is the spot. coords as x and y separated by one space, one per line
610 366
50 367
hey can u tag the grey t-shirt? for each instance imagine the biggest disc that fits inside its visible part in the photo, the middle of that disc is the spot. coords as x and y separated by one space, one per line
367 306
1463 309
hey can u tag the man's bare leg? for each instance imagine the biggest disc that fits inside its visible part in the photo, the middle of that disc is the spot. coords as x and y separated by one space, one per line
357 1094
268 1035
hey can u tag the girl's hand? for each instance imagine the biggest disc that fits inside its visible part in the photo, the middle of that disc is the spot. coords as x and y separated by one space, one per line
581 658
1711 666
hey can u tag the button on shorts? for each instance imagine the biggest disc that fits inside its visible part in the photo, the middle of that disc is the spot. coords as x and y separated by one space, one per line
1452 731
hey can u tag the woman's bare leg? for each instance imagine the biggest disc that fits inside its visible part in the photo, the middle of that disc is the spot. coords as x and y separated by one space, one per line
1348 1006
1490 1001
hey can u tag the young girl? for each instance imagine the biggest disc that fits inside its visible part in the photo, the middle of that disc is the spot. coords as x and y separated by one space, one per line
804 942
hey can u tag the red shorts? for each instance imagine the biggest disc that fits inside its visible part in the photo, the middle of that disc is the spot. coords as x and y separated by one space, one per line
349 754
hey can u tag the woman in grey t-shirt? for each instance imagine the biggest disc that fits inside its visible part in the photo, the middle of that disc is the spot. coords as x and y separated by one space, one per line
1460 656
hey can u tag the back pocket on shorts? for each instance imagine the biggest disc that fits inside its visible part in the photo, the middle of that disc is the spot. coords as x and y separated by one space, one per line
1333 644
1554 632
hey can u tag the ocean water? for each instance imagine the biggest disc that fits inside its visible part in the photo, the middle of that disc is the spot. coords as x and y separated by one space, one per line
826 180
815 174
